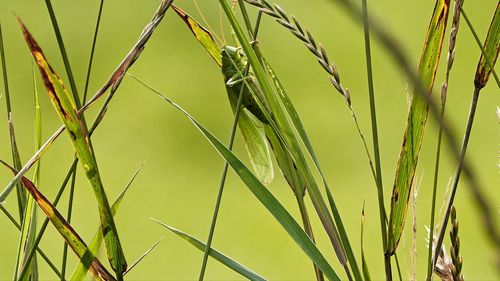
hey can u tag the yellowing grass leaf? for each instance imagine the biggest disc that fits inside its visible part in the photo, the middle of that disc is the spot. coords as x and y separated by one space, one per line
417 119
67 232
66 109
202 34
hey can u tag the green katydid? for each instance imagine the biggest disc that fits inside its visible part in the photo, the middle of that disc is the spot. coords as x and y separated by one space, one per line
257 124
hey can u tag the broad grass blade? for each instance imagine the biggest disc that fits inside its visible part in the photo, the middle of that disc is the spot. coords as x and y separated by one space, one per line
67 232
67 111
82 268
491 48
262 194
220 257
417 118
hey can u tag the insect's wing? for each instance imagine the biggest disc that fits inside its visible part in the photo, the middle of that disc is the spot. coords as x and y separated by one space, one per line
256 145
285 162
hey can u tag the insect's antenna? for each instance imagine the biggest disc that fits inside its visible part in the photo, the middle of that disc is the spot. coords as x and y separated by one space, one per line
207 24
221 25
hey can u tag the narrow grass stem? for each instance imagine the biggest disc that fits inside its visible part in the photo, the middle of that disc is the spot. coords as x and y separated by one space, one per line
308 230
21 195
62 49
40 252
376 145
398 267
373 114
92 51
226 167
221 188
68 218
434 191
489 221
15 155
30 255
444 90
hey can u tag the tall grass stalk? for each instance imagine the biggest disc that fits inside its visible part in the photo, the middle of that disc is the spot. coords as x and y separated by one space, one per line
376 146
444 89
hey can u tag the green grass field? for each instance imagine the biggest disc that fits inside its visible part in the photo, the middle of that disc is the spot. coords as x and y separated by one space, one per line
179 182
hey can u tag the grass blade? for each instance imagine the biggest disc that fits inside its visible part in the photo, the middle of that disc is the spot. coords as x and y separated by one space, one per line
141 258
28 228
21 195
408 158
62 226
373 117
220 257
264 196
65 107
82 268
64 54
364 265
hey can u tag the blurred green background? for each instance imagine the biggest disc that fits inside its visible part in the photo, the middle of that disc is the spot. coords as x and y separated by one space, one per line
179 182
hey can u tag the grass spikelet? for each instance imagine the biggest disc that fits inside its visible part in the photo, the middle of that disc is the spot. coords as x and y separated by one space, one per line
456 267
